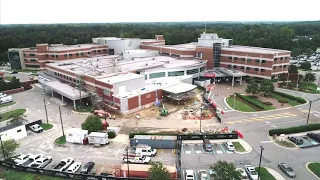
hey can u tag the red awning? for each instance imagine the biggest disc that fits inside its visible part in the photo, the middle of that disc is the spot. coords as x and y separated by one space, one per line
210 75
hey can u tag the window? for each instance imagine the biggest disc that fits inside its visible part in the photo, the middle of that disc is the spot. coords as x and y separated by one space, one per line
274 67
242 67
47 55
248 60
55 73
235 58
52 55
199 55
286 58
284 66
33 60
57 56
275 59
19 130
70 55
157 75
257 60
88 52
264 61
32 66
32 55
235 66
192 71
98 51
248 68
106 92
77 54
65 55
82 53
105 50
229 66
175 73
145 77
243 59
256 69
202 69
230 57
95 51
263 70
281 58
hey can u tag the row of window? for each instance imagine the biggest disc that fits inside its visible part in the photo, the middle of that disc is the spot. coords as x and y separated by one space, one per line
281 58
248 59
32 60
66 77
70 55
174 73
275 67
247 68
33 65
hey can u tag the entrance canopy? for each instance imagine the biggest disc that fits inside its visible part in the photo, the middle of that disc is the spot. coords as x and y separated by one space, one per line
180 88
223 72
65 90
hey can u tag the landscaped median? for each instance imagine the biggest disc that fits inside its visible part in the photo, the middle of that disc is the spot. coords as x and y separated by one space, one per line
12 114
265 174
314 167
46 126
60 140
7 104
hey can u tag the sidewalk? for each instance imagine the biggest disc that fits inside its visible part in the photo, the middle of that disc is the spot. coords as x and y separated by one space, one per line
275 174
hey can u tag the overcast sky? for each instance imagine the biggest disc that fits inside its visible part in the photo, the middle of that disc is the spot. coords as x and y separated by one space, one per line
99 11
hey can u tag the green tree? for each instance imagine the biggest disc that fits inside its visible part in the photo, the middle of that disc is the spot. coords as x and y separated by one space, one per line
293 69
92 124
253 87
266 87
225 171
309 77
305 65
9 148
158 171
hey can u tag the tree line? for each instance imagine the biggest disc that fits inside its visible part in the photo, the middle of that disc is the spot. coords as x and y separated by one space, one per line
270 35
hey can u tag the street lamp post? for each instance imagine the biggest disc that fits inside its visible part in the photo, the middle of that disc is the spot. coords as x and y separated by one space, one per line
260 161
45 108
127 160
310 103
200 118
61 121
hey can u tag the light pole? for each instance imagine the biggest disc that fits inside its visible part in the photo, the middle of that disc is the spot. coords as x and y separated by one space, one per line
260 161
45 108
3 153
61 121
200 118
234 101
310 103
128 160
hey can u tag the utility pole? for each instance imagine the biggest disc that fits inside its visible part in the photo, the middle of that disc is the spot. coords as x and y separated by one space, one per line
310 103
260 161
61 121
288 75
234 101
45 108
200 118
127 160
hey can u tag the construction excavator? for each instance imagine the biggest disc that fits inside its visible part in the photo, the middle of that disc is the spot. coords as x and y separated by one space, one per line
163 111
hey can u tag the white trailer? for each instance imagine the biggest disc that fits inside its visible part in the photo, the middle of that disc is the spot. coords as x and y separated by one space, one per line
98 138
76 135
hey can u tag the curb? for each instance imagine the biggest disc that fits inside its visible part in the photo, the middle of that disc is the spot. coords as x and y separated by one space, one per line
271 139
30 89
279 176
306 165
297 91
248 145
81 113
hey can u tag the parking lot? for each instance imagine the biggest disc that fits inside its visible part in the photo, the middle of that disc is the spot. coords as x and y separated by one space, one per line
218 148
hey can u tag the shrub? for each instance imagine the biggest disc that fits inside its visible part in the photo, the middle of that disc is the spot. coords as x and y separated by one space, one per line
298 99
111 135
268 103
248 100
283 101
296 129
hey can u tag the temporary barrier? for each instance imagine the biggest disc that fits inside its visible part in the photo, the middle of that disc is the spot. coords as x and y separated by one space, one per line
240 134
208 136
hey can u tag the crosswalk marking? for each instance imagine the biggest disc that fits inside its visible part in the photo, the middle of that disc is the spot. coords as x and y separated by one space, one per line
263 118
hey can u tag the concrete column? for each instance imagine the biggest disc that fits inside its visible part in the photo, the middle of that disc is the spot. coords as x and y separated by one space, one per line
52 93
74 105
62 98
232 81
139 99
240 80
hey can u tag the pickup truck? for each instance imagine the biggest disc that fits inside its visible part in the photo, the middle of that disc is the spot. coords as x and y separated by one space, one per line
30 160
36 128
22 157
137 160
41 162
64 164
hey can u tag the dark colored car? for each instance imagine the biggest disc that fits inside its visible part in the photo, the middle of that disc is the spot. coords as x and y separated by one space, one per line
314 136
287 170
13 72
296 140
86 169
207 145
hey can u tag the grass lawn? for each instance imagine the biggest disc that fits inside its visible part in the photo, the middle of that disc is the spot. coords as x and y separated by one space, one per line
60 140
238 147
240 106
8 78
311 87
12 114
84 109
7 104
279 97
257 101
264 174
18 175
29 70
46 126
285 143
315 168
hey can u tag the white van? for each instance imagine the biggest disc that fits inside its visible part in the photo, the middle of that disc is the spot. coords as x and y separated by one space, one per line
6 99
145 150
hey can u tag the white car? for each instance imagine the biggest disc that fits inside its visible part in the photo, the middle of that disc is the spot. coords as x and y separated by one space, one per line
36 128
242 172
229 146
189 175
2 95
6 99
22 157
251 172
41 162
203 175
74 167
30 160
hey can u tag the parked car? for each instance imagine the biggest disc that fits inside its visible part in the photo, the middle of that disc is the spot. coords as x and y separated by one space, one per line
6 99
229 146
74 167
30 160
13 72
287 169
203 175
314 136
296 140
86 169
2 95
137 159
251 172
41 162
242 172
207 145
189 174
36 128
64 164
22 157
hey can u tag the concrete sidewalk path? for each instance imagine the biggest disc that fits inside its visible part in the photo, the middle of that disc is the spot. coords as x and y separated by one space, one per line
275 174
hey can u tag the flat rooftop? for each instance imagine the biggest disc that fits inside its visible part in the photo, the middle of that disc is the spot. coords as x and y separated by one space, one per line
182 47
72 47
180 88
120 78
102 66
254 49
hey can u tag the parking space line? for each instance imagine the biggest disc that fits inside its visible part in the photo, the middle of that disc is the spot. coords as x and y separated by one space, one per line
192 150
105 149
101 170
224 151
196 174
80 147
